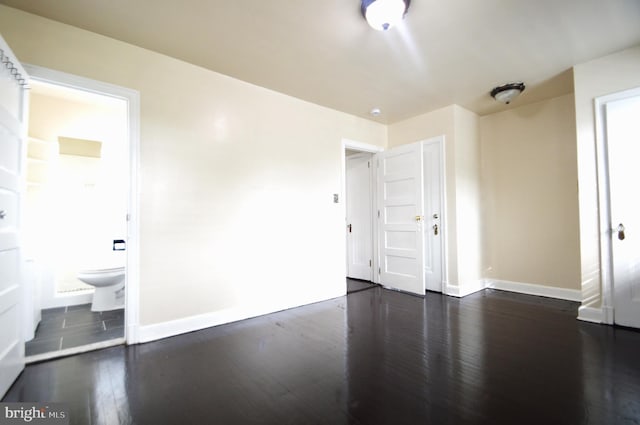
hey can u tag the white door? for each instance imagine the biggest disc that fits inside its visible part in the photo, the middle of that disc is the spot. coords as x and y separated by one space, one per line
433 214
623 143
12 134
359 227
400 199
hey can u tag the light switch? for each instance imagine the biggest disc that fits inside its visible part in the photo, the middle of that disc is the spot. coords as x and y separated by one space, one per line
119 245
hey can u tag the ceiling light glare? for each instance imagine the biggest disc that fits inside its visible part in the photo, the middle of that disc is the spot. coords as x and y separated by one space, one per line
384 14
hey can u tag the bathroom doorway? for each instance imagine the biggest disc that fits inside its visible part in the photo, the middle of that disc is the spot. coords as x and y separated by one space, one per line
77 211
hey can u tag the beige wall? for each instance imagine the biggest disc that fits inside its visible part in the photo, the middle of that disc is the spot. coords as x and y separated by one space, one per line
462 169
469 229
617 72
236 181
530 196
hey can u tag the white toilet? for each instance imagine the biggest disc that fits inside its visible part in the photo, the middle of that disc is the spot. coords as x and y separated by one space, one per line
109 287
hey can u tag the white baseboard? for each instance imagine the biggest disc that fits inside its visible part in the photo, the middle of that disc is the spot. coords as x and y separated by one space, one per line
68 299
590 314
148 333
466 289
607 315
73 350
533 289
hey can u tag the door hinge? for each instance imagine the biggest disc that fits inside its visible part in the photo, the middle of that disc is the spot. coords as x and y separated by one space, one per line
379 270
368 164
369 263
378 213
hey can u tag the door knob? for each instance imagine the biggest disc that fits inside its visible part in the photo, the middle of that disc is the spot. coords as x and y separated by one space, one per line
3 214
620 231
418 218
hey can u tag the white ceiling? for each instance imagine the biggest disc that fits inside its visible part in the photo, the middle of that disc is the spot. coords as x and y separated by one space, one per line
445 51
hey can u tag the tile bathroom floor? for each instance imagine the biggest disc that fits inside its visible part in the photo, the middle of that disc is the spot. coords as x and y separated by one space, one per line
74 326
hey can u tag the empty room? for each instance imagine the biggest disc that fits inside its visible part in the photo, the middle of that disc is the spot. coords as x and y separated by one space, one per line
337 212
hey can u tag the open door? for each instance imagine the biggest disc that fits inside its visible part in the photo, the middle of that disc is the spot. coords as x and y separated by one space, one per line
359 217
622 137
433 220
400 218
13 118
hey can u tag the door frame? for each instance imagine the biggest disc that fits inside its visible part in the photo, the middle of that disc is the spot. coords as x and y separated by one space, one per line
132 97
372 149
440 141
604 202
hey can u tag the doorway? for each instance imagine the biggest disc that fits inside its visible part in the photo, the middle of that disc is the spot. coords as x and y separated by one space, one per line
359 203
411 217
618 134
360 228
81 159
395 216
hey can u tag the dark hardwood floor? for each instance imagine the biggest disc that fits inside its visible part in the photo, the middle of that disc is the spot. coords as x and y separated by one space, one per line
355 285
372 357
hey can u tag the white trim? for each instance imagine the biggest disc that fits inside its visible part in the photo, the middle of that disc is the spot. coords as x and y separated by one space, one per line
534 289
360 146
132 97
148 333
590 314
74 350
65 299
465 289
604 202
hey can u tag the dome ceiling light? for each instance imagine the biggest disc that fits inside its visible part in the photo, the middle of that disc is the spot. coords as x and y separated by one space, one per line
384 14
507 92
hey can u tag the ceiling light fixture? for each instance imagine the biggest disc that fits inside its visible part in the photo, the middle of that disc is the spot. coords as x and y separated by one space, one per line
384 14
507 92
375 112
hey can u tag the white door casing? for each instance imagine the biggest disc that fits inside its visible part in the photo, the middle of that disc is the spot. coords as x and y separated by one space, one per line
13 125
400 207
623 151
433 211
132 97
359 216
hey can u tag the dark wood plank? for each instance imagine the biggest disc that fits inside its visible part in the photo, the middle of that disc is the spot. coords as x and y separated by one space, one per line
355 285
372 357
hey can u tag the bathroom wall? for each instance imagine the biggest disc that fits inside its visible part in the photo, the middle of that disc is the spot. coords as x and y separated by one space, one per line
76 202
236 181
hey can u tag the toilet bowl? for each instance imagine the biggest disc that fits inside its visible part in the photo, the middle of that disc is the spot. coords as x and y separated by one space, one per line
109 287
